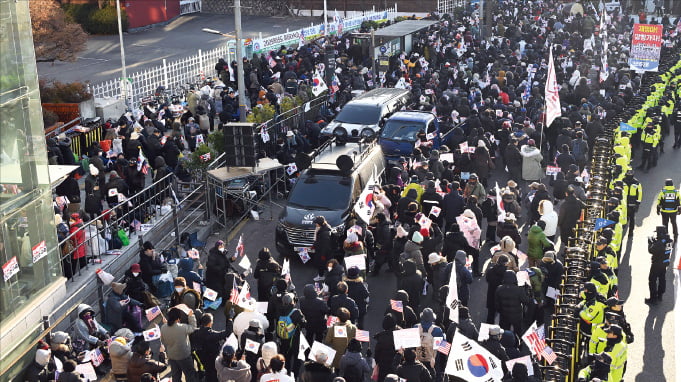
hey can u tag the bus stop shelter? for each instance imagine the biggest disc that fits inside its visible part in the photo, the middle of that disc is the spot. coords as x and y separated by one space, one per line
398 37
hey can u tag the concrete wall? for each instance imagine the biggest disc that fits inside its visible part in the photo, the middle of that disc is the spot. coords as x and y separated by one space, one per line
249 7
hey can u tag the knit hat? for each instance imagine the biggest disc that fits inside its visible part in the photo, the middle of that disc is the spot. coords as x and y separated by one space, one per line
125 333
417 238
254 323
59 337
434 258
507 244
135 268
461 256
118 288
353 272
424 232
469 214
42 356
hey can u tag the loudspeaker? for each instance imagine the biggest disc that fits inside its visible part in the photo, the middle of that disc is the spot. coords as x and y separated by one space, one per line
240 145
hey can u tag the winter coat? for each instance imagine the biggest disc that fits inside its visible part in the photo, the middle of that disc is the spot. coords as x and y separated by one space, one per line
509 229
478 190
186 270
266 272
429 200
150 267
481 162
412 282
139 365
332 279
532 168
217 266
82 331
355 359
323 246
343 301
550 217
509 298
207 342
314 309
464 278
78 239
312 371
414 372
239 371
339 344
453 242
358 292
494 277
453 206
70 376
176 338
154 147
537 242
412 251
569 212
37 373
120 357
115 310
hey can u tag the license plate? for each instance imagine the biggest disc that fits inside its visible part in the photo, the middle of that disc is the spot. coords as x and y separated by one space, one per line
309 249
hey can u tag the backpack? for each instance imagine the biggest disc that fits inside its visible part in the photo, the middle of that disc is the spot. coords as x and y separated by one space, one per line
285 326
425 353
578 149
352 373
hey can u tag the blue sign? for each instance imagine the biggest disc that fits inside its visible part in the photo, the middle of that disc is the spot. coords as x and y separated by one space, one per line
602 223
383 49
626 127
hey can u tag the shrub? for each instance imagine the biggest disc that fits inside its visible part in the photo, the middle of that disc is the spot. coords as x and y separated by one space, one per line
216 140
61 92
261 113
95 20
195 162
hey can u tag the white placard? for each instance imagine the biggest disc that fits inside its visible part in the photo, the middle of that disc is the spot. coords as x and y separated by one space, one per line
318 347
526 360
553 293
358 261
261 307
407 338
210 294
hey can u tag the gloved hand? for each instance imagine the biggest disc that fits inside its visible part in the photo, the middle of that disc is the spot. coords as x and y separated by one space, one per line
658 211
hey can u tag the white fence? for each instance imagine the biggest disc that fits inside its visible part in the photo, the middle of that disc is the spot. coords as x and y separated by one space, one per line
172 75
190 6
189 70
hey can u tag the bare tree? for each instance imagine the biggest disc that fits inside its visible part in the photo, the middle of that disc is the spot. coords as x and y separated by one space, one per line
54 37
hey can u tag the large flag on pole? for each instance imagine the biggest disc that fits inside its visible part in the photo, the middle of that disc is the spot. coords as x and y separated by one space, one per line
551 93
604 43
471 362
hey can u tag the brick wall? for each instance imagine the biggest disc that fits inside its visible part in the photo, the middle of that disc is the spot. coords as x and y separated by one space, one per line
248 7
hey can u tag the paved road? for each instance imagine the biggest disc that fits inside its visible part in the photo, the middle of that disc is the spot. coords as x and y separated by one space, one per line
181 38
651 356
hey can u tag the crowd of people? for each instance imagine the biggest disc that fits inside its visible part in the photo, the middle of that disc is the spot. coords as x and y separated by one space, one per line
428 223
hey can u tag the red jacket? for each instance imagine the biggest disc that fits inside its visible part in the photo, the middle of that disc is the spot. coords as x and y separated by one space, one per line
78 239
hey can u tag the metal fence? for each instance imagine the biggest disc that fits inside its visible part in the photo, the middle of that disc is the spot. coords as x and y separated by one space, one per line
171 75
190 6
166 206
448 6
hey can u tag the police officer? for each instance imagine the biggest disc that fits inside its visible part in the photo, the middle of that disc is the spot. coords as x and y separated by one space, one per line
616 348
599 368
660 247
591 310
633 192
668 201
649 141
614 313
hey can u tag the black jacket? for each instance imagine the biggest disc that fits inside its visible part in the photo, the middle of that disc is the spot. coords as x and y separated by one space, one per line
509 298
494 277
333 278
216 268
453 206
569 212
150 267
323 246
358 292
315 372
207 342
412 282
414 372
266 272
314 309
343 301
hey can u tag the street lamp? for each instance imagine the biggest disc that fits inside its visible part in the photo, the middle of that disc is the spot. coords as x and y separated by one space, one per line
239 61
124 72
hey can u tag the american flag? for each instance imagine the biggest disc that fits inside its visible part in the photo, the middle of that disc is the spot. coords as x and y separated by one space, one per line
152 312
234 298
549 355
142 165
362 335
397 306
444 347
240 246
97 357
533 341
541 333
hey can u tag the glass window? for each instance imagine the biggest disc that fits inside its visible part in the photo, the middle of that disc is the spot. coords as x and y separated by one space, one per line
330 193
359 114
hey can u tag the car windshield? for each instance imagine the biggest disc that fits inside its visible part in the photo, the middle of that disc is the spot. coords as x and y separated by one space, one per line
359 114
402 130
320 193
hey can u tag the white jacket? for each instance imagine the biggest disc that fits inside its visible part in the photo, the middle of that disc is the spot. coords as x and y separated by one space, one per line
548 216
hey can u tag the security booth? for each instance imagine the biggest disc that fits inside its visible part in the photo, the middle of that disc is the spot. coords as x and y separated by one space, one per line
398 37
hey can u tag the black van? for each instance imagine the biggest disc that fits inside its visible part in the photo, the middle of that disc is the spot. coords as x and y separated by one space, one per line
329 187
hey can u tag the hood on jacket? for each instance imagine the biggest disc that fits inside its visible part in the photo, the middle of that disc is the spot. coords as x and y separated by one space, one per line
412 193
82 308
409 268
389 322
536 229
411 246
510 278
159 162
402 295
528 151
309 291
186 265
546 206
269 350
508 339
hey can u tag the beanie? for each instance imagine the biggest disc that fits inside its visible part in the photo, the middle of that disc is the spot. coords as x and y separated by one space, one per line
417 238
42 356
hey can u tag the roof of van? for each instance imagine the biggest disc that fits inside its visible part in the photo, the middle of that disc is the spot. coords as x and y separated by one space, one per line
379 95
327 158
417 116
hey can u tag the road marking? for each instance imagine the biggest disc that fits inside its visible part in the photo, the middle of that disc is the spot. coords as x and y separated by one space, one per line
90 58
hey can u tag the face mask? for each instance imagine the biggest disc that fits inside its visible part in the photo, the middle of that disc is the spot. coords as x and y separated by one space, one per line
179 289
221 249
329 268
135 274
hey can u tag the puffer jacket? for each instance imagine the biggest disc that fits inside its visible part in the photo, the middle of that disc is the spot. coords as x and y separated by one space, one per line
239 371
550 217
315 372
414 372
186 270
358 291
412 282
413 252
510 299
355 359
81 329
314 309
140 364
536 242
532 169
120 357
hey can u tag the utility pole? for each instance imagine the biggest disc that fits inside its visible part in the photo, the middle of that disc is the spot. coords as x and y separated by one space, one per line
124 72
326 25
239 62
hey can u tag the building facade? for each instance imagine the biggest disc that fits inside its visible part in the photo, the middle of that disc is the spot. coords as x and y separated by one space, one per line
32 283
